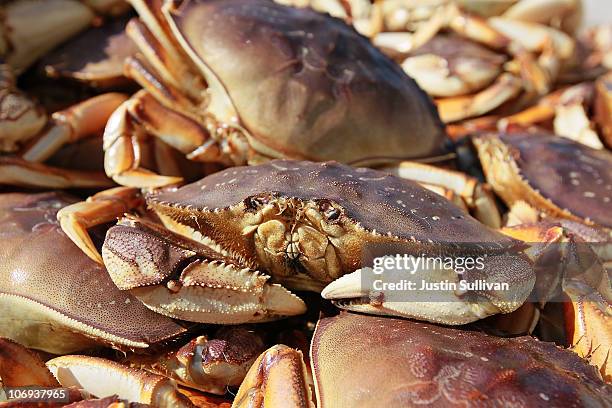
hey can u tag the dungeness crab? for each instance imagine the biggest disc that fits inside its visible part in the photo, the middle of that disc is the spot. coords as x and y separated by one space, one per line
240 81
369 361
53 298
41 273
303 225
554 175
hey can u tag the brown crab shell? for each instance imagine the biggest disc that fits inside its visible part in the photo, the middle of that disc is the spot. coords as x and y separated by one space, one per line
379 202
551 173
306 85
61 299
366 361
95 57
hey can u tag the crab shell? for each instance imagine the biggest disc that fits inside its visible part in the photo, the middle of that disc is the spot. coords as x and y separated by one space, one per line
424 364
554 175
96 57
53 297
305 85
306 224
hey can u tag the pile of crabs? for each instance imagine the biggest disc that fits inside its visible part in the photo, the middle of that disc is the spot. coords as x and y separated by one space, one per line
247 162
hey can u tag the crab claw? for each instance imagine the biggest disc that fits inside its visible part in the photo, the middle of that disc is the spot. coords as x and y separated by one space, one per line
104 378
450 298
183 279
209 365
584 280
21 367
278 378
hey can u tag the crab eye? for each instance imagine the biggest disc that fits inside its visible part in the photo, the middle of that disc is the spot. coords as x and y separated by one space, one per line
255 202
330 212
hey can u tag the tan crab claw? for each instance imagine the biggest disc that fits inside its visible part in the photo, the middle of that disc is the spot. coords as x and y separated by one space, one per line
104 378
209 364
180 278
277 378
505 87
434 293
122 140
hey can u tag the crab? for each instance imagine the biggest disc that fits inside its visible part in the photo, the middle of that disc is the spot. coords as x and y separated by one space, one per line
22 43
39 281
299 224
409 32
575 184
350 102
424 364
40 309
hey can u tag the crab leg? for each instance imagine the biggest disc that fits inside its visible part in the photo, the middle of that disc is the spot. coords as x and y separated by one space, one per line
479 30
186 280
84 119
21 367
155 54
506 87
16 171
103 207
104 378
471 27
20 117
163 48
122 150
585 281
475 195
278 378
